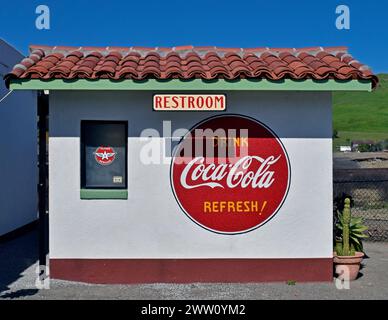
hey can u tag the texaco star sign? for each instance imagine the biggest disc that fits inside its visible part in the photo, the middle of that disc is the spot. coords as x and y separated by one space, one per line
105 155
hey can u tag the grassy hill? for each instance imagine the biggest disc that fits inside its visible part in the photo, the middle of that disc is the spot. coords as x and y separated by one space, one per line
361 115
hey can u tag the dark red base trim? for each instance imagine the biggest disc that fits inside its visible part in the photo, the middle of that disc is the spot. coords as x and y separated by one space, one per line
127 271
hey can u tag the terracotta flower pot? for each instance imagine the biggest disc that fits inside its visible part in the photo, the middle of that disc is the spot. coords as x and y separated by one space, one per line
352 263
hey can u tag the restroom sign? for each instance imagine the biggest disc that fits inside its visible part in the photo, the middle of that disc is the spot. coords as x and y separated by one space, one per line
189 102
236 176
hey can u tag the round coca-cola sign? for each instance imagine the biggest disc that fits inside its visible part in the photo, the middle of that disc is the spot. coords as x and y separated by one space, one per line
230 174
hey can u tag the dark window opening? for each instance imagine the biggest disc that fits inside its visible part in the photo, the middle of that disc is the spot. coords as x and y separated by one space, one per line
104 154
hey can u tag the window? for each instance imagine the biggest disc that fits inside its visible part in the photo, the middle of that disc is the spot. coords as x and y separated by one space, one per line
103 159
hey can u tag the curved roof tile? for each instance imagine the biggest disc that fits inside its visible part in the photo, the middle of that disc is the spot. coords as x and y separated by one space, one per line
186 62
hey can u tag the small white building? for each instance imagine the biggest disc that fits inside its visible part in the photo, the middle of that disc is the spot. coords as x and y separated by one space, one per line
18 160
345 148
124 208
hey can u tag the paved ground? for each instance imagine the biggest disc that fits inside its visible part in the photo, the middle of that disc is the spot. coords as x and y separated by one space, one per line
355 160
17 281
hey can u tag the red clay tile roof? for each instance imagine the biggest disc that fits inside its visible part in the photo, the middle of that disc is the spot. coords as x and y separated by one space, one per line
187 62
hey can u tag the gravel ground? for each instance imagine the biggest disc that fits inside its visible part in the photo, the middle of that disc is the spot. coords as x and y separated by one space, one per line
18 260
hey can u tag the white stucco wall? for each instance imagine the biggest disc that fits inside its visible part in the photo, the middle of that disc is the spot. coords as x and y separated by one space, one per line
150 223
18 162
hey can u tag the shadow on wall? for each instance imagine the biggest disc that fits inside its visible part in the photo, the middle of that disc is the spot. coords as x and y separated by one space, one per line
16 255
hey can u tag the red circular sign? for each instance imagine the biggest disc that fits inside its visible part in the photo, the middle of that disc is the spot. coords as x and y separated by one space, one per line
104 155
230 174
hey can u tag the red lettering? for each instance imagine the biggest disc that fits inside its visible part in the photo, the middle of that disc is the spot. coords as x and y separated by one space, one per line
220 99
196 102
166 100
158 101
175 101
200 102
182 102
209 102
191 102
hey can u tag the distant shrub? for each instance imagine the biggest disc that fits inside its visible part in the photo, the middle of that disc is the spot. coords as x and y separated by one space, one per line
370 147
364 147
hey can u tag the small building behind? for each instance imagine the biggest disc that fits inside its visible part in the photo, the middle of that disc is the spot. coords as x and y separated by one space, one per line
18 164
345 148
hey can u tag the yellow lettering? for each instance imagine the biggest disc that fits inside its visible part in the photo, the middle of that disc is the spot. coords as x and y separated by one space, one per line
231 206
254 206
239 206
244 141
207 206
222 205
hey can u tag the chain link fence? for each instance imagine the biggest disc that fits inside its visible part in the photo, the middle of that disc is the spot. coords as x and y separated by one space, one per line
369 194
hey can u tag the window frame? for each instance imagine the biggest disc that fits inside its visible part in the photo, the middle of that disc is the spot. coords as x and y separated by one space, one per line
96 190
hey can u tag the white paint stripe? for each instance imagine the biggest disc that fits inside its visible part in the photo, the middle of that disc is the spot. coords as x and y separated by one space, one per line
6 95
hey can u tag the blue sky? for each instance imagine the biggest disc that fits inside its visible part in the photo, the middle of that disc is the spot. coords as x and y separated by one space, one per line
240 23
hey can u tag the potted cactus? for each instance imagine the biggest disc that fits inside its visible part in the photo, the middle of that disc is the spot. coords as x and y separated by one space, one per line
349 252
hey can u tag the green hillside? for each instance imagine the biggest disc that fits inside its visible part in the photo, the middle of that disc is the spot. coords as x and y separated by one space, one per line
361 115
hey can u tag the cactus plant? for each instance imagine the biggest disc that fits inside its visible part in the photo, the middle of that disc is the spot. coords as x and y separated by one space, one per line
352 231
348 248
345 228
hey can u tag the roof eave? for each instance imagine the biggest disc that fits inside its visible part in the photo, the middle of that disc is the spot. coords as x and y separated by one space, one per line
193 85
